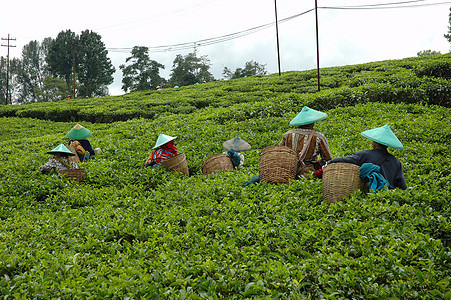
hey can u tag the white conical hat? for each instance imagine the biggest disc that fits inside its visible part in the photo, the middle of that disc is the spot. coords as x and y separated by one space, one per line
236 144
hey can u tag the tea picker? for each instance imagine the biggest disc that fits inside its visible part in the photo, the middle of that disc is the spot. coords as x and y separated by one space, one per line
59 161
165 153
79 141
234 147
163 149
378 160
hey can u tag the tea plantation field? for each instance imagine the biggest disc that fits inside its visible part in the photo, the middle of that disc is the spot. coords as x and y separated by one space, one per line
129 232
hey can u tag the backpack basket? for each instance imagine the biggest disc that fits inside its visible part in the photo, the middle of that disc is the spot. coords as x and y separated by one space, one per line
77 174
340 180
176 163
278 164
74 158
218 162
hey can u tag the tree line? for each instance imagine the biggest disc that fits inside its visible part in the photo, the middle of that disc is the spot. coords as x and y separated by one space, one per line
54 69
73 65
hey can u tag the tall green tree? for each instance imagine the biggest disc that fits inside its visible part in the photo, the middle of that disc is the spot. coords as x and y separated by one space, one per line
33 71
448 35
60 57
94 68
53 89
2 80
251 68
11 73
190 69
141 73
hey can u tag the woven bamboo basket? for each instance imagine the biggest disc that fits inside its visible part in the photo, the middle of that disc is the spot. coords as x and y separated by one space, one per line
340 180
218 162
74 158
278 164
78 174
176 163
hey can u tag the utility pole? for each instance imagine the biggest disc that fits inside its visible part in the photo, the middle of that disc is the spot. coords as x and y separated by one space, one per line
7 66
73 64
317 43
277 36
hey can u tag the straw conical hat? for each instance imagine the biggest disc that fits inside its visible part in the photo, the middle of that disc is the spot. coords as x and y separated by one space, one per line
236 144
383 135
163 139
78 133
308 116
61 149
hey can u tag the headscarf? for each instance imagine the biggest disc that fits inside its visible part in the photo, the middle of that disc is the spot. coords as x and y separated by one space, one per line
169 146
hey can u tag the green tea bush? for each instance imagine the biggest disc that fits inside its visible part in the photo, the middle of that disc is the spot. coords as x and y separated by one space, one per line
412 80
434 68
128 231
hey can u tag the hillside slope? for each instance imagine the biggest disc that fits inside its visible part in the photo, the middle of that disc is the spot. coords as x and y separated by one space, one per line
133 232
410 80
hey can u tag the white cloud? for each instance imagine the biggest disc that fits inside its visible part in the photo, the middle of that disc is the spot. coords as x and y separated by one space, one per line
345 36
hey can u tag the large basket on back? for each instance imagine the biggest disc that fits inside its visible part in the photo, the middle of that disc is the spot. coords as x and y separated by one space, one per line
77 174
176 163
278 164
340 180
219 162
74 158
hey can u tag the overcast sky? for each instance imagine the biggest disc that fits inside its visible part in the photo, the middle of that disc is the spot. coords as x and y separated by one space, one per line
347 35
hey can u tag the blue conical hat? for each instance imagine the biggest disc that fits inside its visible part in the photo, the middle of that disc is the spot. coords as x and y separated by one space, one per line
163 139
308 116
61 149
236 144
78 133
384 136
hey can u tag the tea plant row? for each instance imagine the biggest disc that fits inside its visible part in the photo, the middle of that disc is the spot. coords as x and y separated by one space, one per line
134 232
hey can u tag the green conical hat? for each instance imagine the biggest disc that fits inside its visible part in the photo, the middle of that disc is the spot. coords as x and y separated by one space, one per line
308 116
61 149
384 136
236 144
78 133
163 139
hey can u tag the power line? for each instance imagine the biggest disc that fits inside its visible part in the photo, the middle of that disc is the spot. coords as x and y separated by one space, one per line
211 41
387 5
235 35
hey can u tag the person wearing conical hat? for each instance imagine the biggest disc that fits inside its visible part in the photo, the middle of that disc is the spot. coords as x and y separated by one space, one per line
308 143
378 158
164 148
59 161
234 147
78 136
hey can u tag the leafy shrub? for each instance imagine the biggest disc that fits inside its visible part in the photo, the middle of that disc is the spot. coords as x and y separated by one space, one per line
128 231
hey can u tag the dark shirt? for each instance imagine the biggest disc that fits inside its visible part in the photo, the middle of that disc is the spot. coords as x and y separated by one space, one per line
391 167
87 146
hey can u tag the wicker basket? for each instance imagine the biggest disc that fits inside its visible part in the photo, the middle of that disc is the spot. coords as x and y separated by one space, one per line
218 162
74 158
278 164
176 163
340 180
78 174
